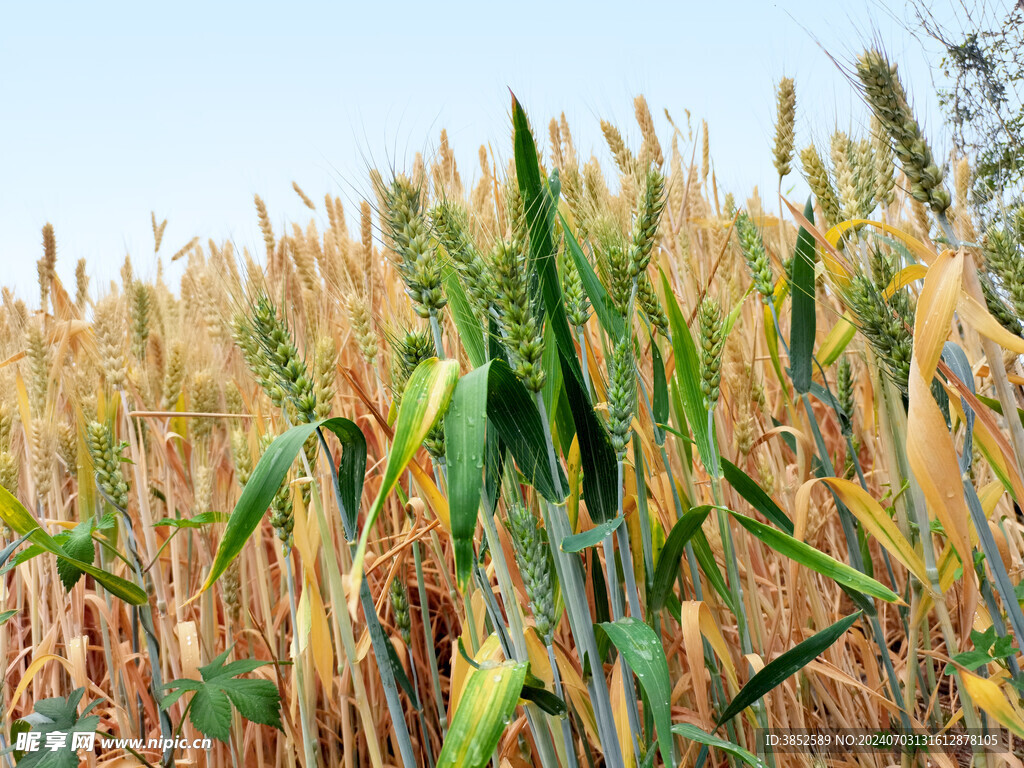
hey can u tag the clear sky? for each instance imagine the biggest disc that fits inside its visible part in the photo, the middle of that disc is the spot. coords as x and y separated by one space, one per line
109 110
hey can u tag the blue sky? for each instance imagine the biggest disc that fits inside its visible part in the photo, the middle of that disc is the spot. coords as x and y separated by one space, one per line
110 110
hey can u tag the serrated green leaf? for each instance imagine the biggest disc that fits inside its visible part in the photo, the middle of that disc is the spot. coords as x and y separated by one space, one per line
23 523
210 713
257 700
79 546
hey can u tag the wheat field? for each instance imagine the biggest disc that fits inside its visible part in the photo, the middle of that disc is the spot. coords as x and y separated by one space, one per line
540 463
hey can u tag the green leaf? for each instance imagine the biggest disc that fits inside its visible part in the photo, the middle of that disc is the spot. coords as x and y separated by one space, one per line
196 521
802 325
600 489
515 417
465 432
600 483
641 647
659 398
688 375
817 561
789 663
755 496
544 699
212 699
426 398
79 546
21 521
270 473
672 553
56 715
580 541
607 315
6 616
693 733
491 395
486 706
470 333
710 569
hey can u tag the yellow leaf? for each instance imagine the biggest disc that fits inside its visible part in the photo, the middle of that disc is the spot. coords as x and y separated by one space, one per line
33 669
979 319
836 341
989 696
919 249
930 450
904 277
876 521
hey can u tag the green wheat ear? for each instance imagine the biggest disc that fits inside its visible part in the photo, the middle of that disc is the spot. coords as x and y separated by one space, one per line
524 337
712 340
888 102
621 395
755 255
106 461
533 555
418 264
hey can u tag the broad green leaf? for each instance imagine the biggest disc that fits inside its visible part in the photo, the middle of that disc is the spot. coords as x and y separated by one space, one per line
580 541
426 398
485 707
599 473
693 733
817 561
688 375
672 553
210 712
641 647
21 521
802 325
515 417
789 663
491 394
604 308
465 432
270 473
79 545
5 616
755 496
470 333
56 715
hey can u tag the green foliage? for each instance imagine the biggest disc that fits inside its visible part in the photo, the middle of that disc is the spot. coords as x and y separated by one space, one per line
56 715
220 689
